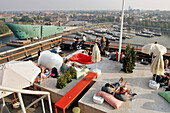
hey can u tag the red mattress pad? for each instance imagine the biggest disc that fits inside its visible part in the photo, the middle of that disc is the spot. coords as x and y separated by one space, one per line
82 58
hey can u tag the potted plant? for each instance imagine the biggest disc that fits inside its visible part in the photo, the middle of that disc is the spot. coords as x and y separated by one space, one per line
133 52
68 76
73 72
61 82
129 60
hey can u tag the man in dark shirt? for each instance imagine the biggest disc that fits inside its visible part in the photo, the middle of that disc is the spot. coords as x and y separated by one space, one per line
76 39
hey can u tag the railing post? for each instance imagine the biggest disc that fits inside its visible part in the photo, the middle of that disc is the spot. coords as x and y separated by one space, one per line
22 103
41 48
26 54
0 44
49 100
8 59
51 44
42 102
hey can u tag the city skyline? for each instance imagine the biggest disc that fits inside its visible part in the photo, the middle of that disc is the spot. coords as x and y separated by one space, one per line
38 5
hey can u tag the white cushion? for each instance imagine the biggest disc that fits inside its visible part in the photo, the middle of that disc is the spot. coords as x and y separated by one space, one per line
97 99
154 85
152 82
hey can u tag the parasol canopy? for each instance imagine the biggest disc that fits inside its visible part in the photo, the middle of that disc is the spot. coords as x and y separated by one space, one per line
18 74
154 48
96 57
157 66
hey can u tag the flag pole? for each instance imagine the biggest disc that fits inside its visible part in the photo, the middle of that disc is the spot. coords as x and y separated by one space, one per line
121 30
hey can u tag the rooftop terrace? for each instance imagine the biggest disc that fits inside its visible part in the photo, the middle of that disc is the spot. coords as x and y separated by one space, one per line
147 100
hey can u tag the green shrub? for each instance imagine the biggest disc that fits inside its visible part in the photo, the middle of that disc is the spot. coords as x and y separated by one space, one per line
129 59
73 72
133 53
4 29
68 76
61 82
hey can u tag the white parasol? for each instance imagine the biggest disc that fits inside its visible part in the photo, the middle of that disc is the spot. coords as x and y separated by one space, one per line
154 48
19 75
96 57
157 66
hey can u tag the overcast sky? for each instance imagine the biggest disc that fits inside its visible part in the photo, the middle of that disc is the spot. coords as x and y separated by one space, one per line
23 5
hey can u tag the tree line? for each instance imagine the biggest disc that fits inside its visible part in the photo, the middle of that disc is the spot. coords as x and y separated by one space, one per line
131 20
3 28
27 19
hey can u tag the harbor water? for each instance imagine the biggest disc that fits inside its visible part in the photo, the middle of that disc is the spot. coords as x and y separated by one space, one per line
6 39
163 40
139 40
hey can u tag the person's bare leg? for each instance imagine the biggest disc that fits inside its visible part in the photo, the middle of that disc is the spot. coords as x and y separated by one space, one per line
125 85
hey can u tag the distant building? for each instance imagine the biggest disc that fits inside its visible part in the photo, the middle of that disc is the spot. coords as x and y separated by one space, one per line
63 19
9 20
39 21
77 23
7 17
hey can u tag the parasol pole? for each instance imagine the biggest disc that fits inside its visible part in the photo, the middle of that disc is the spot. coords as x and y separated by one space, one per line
121 31
15 97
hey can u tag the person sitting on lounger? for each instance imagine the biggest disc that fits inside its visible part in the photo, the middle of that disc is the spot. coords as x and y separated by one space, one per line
54 72
64 66
46 72
117 84
168 87
161 78
41 76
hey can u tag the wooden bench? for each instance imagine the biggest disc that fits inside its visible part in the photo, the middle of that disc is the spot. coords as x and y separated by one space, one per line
68 98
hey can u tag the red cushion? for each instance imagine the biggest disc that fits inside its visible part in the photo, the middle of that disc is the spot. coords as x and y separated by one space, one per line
81 58
110 99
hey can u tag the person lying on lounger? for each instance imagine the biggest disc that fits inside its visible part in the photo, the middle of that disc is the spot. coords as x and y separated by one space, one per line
124 94
78 67
110 88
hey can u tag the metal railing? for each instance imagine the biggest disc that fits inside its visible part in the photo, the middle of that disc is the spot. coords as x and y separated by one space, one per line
116 45
19 92
29 50
32 49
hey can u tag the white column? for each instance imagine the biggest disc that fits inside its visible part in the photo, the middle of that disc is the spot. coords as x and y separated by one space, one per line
121 31
22 103
42 102
49 101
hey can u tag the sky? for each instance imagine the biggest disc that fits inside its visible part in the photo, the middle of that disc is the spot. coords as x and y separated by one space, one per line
36 5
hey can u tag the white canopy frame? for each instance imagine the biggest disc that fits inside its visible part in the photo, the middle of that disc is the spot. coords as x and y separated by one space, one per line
19 92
